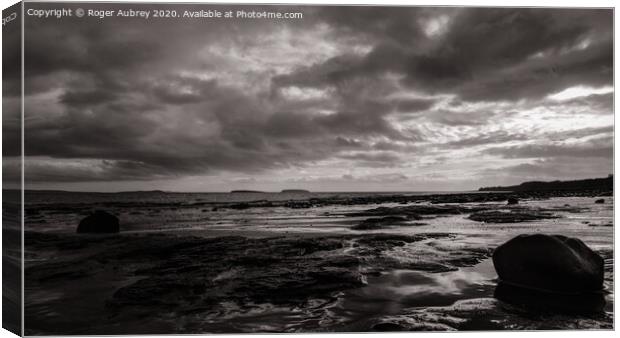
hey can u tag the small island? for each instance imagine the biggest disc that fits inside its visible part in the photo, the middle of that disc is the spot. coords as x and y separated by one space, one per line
294 191
246 192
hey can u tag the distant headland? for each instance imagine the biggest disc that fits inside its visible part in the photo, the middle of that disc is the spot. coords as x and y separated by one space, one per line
606 183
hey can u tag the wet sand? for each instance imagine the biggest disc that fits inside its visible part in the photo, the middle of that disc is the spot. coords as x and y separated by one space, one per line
193 269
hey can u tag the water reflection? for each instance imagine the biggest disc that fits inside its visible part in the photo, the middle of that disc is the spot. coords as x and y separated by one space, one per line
539 301
403 289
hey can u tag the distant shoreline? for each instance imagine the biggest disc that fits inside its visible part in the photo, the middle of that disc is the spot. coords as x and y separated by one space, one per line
605 183
249 191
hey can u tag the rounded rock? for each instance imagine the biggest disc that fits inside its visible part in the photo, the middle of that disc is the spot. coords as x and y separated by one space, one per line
552 263
99 222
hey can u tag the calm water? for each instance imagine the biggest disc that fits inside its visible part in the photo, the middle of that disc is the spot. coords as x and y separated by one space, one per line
54 197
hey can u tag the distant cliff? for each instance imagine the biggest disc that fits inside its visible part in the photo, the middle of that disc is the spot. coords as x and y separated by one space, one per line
606 183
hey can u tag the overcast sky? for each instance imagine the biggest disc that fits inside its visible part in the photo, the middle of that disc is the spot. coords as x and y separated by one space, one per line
345 99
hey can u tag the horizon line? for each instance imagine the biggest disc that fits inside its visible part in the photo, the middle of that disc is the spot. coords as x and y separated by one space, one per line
248 191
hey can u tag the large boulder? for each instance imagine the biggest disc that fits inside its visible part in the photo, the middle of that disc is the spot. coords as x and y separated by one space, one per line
99 222
551 263
549 273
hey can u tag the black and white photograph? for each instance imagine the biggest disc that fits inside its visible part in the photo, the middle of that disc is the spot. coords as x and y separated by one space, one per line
228 168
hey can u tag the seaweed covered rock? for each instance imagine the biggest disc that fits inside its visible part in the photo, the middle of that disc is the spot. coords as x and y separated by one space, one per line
99 222
514 216
552 263
383 222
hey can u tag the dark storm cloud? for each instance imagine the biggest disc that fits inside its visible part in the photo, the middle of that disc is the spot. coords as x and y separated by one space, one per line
354 123
389 24
293 125
122 82
247 136
119 50
390 30
45 171
138 100
374 160
341 70
538 78
486 54
414 105
86 98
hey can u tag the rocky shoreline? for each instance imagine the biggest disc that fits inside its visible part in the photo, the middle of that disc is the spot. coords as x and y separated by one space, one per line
191 275
83 283
305 203
198 279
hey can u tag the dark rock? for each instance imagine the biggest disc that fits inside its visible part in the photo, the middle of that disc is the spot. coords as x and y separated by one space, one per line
414 212
162 273
509 217
565 208
383 211
379 223
99 222
608 224
549 263
299 205
600 201
512 200
145 292
240 206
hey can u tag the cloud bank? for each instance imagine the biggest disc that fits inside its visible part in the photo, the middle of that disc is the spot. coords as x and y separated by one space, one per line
347 98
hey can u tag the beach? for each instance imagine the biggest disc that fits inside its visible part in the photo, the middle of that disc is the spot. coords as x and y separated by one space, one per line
294 262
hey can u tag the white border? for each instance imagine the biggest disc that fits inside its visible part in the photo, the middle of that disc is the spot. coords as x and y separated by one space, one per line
475 3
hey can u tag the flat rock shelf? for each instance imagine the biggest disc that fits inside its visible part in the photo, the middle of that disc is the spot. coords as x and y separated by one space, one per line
307 263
